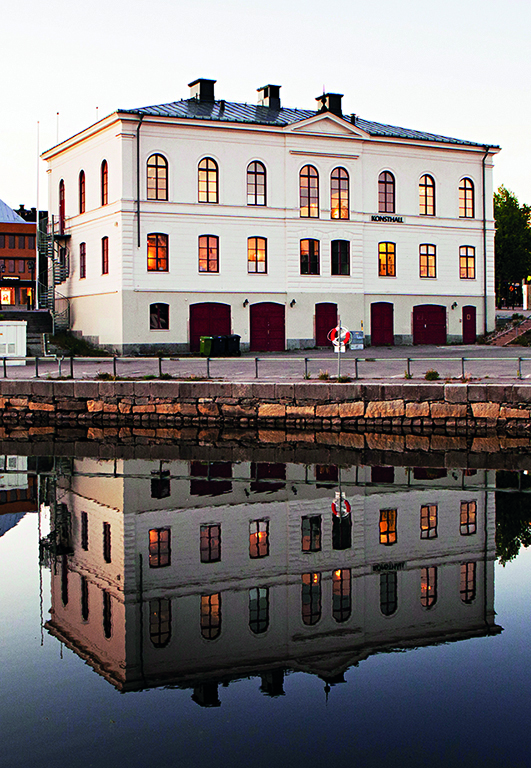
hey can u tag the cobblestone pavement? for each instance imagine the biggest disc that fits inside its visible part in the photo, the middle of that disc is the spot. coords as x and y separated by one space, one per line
480 362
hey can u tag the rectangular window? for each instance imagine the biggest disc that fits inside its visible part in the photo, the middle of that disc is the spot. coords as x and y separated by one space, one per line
311 533
84 531
257 255
107 542
107 614
157 253
468 518
210 478
208 253
341 594
388 526
11 241
82 260
428 521
11 265
2 241
210 543
159 547
258 538
468 582
386 260
388 593
21 241
211 616
311 598
104 255
428 586
258 609
309 257
467 262
263 476
427 258
21 266
31 242
340 257
84 598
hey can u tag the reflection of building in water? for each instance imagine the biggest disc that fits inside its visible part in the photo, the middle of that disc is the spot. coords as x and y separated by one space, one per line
18 491
196 573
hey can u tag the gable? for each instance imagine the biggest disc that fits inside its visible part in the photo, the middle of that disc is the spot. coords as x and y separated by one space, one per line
327 124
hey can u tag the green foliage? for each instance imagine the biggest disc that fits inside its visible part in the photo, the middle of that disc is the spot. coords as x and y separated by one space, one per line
513 239
513 519
344 379
75 347
324 375
431 374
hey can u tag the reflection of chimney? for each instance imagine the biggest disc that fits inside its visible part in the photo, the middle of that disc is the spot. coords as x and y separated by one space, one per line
273 683
202 89
331 102
269 96
206 695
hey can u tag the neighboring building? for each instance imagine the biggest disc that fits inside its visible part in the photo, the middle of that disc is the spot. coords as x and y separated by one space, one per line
199 573
206 217
17 260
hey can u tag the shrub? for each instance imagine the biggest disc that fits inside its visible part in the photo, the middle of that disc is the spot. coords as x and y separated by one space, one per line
324 375
431 374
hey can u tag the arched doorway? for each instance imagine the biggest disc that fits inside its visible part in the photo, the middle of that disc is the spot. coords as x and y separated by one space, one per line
208 319
382 331
429 324
267 327
325 320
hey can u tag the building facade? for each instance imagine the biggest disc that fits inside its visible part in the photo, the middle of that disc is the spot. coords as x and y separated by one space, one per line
207 217
17 260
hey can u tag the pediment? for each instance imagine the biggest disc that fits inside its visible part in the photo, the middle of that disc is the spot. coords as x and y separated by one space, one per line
327 124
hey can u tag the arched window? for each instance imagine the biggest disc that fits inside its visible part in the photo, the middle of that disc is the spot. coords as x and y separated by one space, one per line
386 192
159 317
82 192
104 183
208 253
428 586
426 196
211 616
208 181
339 194
257 255
466 199
160 621
258 609
157 178
157 252
310 257
256 183
309 192
62 207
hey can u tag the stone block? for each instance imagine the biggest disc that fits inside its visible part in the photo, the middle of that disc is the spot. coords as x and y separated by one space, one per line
49 407
271 411
205 409
417 443
94 405
61 389
238 411
417 410
448 443
489 411
285 391
18 402
41 430
381 442
142 388
318 391
521 393
271 436
94 433
327 438
385 409
138 432
351 410
262 391
302 436
300 411
514 442
513 413
241 390
71 405
456 393
485 445
110 408
124 407
351 440
477 393
82 389
448 410
327 411
186 409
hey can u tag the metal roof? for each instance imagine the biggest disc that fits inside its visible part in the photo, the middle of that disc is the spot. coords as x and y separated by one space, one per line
8 215
233 112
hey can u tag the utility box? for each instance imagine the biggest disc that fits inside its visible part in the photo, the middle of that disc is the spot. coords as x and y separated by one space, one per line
13 341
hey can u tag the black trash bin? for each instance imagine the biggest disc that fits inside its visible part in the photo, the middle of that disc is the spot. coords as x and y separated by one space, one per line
233 344
219 346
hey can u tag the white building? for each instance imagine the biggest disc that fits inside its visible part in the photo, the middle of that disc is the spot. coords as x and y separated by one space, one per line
206 217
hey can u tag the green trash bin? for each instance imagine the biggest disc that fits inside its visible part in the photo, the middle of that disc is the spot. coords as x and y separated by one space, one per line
205 346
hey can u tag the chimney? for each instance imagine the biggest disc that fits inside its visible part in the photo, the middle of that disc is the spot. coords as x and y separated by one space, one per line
202 90
269 96
331 102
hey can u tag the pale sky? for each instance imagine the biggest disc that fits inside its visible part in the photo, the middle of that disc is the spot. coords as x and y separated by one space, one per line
457 67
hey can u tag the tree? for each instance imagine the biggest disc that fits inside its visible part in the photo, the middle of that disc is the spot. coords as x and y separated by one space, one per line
512 246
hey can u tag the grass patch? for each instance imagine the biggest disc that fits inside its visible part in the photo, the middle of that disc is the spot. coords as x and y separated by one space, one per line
431 375
75 347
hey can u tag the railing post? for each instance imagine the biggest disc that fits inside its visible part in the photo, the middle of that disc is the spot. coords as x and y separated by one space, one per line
36 367
519 367
462 367
208 367
71 366
5 368
60 371
255 367
305 367
114 367
160 367
408 367
356 368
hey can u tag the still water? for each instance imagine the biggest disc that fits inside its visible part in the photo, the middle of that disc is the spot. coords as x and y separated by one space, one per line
209 614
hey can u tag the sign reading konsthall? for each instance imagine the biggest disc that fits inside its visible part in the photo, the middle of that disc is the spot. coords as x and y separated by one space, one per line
388 219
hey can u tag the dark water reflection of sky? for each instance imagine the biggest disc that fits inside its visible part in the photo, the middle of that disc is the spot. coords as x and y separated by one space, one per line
459 704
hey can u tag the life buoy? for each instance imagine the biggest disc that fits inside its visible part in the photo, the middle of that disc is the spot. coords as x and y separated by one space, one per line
344 333
346 506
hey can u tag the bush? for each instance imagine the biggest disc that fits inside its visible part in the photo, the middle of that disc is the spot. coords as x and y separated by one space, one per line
431 374
324 375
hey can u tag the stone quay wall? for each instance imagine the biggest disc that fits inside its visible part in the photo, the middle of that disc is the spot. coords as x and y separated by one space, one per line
454 409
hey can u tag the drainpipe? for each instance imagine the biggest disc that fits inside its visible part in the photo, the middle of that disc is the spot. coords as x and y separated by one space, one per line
487 149
138 179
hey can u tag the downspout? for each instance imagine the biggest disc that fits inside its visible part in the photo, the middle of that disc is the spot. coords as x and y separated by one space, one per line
138 179
485 329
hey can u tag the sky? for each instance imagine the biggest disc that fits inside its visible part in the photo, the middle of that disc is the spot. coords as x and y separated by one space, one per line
460 68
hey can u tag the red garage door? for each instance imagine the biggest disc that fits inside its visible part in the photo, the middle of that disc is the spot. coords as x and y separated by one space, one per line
208 319
469 325
267 327
325 320
429 324
382 333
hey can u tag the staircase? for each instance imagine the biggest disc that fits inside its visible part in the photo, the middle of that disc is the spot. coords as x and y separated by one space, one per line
505 337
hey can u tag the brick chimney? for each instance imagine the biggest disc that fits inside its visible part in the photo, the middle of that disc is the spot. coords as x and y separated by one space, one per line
202 89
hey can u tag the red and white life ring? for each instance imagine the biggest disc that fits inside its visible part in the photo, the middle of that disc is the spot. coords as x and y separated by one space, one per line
345 336
345 505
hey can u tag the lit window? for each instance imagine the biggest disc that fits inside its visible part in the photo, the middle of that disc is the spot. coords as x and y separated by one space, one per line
157 252
258 538
468 518
388 526
388 593
208 253
82 192
107 614
341 595
160 621
427 196
427 260
210 543
84 598
159 316
468 582
82 260
208 181
157 178
467 262
428 586
211 616
340 257
311 598
159 547
257 255
309 257
428 521
311 533
256 184
309 192
339 194
104 255
386 260
386 192
104 183
466 199
258 610
107 542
